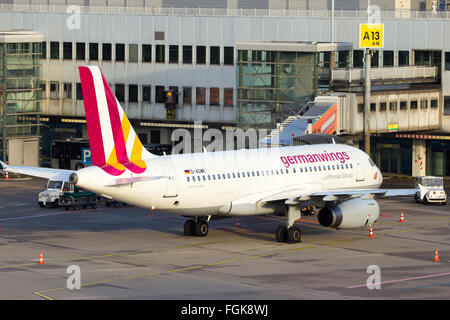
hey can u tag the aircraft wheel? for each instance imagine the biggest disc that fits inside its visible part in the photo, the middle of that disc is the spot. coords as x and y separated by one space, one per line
281 234
294 234
201 228
189 228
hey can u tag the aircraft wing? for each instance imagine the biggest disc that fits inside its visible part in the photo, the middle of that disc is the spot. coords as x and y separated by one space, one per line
322 198
46 173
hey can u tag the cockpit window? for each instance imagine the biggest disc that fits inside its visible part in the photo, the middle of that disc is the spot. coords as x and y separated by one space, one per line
371 162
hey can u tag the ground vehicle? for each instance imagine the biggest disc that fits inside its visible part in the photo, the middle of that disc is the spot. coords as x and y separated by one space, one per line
78 198
71 154
430 190
53 191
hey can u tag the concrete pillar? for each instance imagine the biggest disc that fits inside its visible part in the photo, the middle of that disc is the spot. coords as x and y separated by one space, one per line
419 157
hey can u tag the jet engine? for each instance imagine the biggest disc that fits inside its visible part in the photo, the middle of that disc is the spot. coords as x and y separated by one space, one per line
350 214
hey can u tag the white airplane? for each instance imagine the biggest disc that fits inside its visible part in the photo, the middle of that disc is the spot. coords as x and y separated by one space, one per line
340 180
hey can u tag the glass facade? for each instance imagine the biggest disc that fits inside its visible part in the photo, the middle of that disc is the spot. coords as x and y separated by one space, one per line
20 91
273 85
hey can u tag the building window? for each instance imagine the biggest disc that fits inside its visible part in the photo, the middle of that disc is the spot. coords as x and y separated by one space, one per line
133 54
447 61
159 94
358 56
187 95
403 105
228 55
214 55
146 93
67 92
393 106
413 104
187 54
132 93
175 94
44 50
375 58
67 50
173 54
423 104
373 107
388 58
447 105
434 103
54 90
228 96
160 53
93 51
214 96
200 96
43 90
120 52
382 106
120 92
403 58
54 50
106 52
79 92
360 107
81 51
159 35
201 54
146 53
155 136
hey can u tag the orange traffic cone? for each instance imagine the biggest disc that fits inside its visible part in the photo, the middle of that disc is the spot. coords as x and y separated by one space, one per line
402 218
41 259
436 255
6 175
371 232
238 224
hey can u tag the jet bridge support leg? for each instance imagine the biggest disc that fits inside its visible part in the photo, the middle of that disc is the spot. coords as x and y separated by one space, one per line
290 232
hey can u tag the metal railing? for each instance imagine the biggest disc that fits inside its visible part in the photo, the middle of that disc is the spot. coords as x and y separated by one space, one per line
146 9
386 73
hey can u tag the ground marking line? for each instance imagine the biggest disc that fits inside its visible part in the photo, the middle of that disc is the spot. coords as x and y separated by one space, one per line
403 280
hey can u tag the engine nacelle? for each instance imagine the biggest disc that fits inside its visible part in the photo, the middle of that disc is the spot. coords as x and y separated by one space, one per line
350 214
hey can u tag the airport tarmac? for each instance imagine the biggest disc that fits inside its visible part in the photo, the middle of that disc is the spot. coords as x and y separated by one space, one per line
133 253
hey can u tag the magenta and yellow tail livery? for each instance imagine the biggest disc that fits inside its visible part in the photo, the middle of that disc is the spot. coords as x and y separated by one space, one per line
115 146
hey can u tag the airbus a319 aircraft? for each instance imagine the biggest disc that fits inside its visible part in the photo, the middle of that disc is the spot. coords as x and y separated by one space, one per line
340 180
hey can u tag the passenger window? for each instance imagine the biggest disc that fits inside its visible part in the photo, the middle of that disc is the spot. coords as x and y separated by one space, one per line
223 176
234 177
257 173
209 177
301 170
248 173
351 165
293 169
272 172
287 170
315 168
204 178
187 178
214 177
238 175
332 166
218 177
267 172
346 166
229 176
320 169
342 166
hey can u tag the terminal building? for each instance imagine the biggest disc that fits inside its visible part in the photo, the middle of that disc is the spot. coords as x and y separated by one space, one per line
257 64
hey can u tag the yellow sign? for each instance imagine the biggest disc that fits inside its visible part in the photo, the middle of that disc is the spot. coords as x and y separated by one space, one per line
392 126
371 35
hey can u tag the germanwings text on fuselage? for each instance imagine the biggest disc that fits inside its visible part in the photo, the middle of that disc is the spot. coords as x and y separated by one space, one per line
315 157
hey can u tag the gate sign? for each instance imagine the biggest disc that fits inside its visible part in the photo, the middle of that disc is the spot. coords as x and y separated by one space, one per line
371 35
86 156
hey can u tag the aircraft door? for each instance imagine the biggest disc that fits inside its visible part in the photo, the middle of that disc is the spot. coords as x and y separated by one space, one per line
360 169
172 182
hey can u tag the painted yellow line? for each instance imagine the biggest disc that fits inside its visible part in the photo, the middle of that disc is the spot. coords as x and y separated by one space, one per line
222 262
184 269
303 248
260 256
144 275
42 295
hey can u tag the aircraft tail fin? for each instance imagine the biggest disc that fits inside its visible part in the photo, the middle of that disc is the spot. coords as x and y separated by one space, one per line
114 143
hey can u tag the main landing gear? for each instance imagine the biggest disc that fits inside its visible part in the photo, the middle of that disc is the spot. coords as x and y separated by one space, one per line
197 227
290 233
